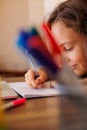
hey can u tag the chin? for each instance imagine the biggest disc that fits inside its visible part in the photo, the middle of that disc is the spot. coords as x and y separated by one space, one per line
81 75
78 74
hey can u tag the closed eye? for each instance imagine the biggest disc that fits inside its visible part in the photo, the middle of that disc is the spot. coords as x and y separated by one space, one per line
68 49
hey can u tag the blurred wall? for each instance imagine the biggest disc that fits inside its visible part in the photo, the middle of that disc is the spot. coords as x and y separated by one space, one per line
13 16
50 4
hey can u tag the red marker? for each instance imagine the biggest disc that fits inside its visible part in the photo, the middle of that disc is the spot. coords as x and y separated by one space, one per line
14 103
55 46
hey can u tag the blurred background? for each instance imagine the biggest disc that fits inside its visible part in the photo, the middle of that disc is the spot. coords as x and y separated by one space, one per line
16 15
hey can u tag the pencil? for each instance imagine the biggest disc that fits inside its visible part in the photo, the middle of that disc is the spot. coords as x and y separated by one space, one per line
30 60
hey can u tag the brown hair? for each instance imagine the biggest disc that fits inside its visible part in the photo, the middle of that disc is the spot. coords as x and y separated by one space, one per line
73 13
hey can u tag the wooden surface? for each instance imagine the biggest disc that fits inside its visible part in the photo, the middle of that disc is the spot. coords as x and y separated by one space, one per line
11 73
51 113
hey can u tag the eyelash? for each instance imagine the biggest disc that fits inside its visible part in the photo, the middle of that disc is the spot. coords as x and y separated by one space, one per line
67 50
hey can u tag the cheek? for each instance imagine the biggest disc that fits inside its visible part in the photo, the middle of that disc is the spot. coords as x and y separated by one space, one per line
73 56
77 56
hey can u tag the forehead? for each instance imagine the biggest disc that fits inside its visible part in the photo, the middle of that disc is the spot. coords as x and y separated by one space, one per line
63 34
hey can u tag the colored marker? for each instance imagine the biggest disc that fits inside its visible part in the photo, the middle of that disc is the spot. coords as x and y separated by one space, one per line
22 45
14 103
54 44
44 60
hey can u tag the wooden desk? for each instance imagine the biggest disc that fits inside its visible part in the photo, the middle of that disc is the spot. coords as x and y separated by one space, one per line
11 73
52 113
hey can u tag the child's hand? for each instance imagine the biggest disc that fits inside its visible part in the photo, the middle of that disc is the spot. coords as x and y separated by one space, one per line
36 82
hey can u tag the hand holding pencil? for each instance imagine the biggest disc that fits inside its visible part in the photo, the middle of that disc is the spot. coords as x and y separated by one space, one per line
34 47
35 82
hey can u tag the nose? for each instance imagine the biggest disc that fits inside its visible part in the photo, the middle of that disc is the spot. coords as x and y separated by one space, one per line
66 58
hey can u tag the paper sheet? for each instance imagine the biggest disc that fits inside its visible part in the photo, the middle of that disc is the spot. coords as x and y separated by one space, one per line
25 91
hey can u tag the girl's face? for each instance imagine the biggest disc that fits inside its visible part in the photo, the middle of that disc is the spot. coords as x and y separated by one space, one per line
73 47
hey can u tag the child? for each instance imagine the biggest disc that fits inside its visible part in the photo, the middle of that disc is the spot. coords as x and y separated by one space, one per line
68 24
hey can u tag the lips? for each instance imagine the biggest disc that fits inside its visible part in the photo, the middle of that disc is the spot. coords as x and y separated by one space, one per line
73 67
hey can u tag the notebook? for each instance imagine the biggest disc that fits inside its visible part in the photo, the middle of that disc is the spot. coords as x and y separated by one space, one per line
25 91
6 91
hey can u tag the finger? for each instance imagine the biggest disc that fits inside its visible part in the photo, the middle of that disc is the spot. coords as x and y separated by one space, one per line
29 78
41 78
32 85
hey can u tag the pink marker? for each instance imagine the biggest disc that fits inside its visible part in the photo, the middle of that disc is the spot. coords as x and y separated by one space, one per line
14 103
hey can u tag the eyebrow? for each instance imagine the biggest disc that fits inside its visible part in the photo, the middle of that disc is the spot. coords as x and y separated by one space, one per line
64 43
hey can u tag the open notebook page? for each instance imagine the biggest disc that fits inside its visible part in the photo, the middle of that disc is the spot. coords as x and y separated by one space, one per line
25 91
